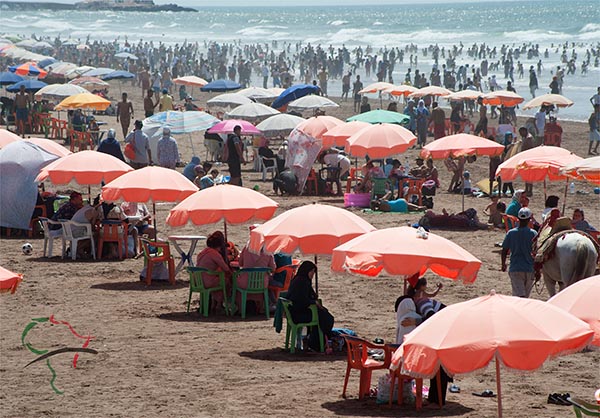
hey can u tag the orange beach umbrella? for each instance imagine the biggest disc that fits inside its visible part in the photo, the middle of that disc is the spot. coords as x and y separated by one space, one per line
548 99
431 91
83 101
519 333
586 169
9 281
401 90
6 137
380 140
461 145
337 135
318 125
537 164
376 87
502 98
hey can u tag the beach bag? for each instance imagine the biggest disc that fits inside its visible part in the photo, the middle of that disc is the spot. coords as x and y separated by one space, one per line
129 151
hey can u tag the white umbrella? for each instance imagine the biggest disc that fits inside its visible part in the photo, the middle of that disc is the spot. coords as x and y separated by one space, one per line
58 91
126 55
26 43
258 93
228 100
61 68
279 125
312 102
251 112
42 45
98 72
191 80
70 42
78 71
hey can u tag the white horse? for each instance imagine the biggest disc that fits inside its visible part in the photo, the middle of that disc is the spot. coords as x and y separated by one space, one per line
574 259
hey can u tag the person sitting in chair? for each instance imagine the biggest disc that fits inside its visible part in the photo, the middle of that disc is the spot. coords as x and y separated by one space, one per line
142 218
266 152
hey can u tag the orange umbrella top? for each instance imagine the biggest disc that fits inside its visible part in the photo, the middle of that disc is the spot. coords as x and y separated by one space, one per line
6 137
585 169
337 135
318 125
149 183
191 80
502 98
581 299
401 90
431 91
312 229
84 167
232 203
461 145
9 281
521 333
376 87
50 146
548 99
400 251
83 101
380 140
537 164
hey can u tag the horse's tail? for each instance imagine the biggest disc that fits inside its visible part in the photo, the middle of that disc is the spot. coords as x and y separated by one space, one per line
581 261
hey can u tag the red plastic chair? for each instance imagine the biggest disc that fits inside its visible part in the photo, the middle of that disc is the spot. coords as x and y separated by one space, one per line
113 231
290 270
358 359
415 188
352 177
161 254
312 185
397 375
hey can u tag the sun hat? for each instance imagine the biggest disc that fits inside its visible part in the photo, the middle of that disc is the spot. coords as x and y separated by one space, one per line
524 213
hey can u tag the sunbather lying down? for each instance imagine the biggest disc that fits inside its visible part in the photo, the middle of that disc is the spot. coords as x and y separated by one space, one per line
398 205
463 220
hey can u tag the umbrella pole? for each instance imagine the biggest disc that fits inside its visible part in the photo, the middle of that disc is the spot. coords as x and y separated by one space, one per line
89 194
316 278
565 199
462 174
192 144
225 229
499 388
154 221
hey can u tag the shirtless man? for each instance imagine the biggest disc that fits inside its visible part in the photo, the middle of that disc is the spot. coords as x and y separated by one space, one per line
144 79
124 114
22 100
149 104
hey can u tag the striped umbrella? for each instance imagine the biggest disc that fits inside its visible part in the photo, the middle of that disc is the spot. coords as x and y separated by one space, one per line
28 69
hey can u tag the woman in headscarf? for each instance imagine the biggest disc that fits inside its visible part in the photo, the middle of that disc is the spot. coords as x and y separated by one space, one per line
111 146
515 205
302 296
422 116
214 257
410 112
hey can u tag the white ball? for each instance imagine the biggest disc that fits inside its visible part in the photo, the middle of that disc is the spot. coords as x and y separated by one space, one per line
27 248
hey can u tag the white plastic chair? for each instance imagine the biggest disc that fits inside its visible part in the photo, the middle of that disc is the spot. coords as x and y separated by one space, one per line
74 232
265 169
50 235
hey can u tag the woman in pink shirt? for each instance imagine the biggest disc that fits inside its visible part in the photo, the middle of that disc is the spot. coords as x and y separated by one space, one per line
214 257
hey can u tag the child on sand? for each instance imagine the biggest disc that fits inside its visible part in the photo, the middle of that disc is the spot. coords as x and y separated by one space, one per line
495 215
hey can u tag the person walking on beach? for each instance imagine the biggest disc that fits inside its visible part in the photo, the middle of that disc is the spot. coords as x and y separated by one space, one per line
594 123
346 86
533 81
141 145
233 153
167 153
519 242
22 100
124 113
422 122
323 76
438 118
356 87
144 80
165 102
483 121
149 104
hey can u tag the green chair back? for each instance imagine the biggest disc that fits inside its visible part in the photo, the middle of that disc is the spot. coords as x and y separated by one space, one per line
256 285
292 329
197 286
379 187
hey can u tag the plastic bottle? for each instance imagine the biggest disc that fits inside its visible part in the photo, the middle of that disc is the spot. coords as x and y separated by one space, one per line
572 188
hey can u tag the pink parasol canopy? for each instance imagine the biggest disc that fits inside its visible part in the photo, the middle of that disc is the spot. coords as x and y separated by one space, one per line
226 127
338 135
318 125
537 164
380 140
6 137
460 145
9 281
50 146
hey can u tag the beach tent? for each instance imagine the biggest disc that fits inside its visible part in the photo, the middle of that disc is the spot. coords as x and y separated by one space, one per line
301 155
20 162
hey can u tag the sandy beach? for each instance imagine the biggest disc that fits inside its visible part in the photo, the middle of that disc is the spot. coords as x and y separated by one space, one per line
155 360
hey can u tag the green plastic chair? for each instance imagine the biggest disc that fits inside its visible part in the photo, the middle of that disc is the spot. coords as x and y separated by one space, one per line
380 187
256 286
582 407
292 330
197 286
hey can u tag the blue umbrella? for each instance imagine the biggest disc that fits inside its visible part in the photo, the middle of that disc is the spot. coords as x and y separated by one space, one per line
117 75
6 78
46 62
221 85
292 93
30 86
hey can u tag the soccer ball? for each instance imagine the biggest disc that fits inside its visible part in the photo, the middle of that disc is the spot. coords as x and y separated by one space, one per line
27 248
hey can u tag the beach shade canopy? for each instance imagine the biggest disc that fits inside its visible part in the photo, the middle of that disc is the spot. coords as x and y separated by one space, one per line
376 87
191 80
90 83
459 96
232 204
519 333
337 136
401 90
430 91
78 71
537 164
581 300
294 92
380 141
459 145
83 101
252 112
6 137
502 98
9 281
8 78
181 122
85 168
226 127
228 100
221 85
98 72
46 62
279 125
548 99
381 116
586 169
402 251
259 94
58 91
61 68
20 162
312 102
49 146
126 55
149 184
118 75
31 86
318 125
28 69
301 154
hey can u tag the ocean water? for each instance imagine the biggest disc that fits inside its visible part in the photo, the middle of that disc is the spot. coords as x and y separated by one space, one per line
547 23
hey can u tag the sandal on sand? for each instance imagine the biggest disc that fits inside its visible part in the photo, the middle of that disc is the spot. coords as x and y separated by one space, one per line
485 394
559 399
